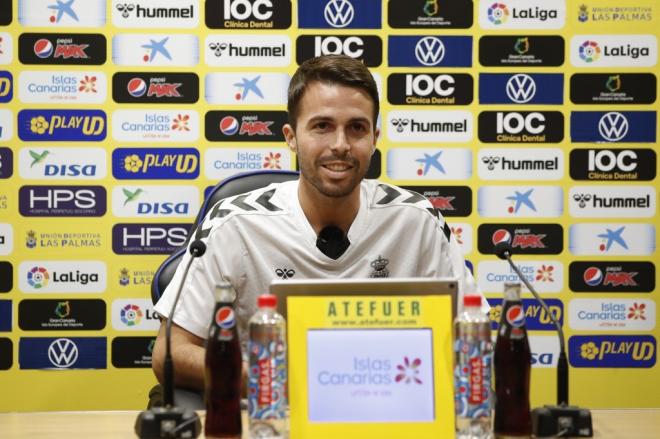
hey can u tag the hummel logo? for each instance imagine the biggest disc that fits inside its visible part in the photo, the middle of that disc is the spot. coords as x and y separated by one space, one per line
217 48
582 199
400 124
285 273
125 9
490 161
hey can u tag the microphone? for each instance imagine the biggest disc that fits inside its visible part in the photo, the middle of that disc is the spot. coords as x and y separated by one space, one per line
171 421
561 420
332 241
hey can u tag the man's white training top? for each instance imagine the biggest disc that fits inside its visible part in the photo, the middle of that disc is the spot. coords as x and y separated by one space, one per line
264 235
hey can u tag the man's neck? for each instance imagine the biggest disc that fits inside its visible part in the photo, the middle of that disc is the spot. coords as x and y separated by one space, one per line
322 210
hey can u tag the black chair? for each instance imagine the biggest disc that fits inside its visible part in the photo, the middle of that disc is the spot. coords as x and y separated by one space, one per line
231 186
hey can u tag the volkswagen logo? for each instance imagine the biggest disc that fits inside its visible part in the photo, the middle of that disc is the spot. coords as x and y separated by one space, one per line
339 13
613 126
63 353
520 88
429 51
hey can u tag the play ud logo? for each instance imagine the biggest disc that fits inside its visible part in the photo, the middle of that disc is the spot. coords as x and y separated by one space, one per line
61 125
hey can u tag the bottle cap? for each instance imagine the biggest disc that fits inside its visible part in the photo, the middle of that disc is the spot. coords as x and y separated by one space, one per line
472 300
267 301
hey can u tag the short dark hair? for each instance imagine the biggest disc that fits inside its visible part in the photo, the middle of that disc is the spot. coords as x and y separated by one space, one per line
333 69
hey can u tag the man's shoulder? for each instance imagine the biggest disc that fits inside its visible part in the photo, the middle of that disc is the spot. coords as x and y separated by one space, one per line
385 195
266 201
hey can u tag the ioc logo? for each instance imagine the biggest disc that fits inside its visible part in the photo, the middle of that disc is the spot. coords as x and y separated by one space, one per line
514 123
351 46
244 9
606 160
424 85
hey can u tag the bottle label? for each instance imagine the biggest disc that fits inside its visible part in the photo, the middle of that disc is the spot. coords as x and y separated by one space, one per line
267 380
472 378
225 317
515 316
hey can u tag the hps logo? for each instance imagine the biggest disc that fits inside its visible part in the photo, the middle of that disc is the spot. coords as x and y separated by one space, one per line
69 49
614 50
148 163
429 51
61 125
62 201
620 351
156 239
339 14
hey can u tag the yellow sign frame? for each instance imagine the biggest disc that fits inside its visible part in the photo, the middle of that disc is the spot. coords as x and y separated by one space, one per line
370 312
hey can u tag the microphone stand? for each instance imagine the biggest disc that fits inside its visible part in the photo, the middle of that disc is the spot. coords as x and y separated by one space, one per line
170 421
561 420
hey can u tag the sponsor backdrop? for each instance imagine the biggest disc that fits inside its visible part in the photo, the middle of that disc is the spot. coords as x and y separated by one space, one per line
528 121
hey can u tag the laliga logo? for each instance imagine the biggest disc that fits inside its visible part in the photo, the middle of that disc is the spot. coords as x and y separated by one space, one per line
613 126
130 315
339 13
38 277
515 316
225 317
520 88
498 13
429 51
589 51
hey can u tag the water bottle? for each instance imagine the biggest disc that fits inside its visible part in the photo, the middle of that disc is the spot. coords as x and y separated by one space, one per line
472 374
267 372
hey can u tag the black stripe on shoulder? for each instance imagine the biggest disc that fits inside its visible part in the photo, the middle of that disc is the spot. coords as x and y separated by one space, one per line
447 230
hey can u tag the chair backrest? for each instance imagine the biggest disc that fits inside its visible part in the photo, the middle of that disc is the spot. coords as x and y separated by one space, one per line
234 185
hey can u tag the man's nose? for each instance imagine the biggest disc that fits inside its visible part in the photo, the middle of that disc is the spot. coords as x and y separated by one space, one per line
340 145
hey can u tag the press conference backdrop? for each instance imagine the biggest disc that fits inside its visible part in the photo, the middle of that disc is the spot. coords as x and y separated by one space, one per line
528 121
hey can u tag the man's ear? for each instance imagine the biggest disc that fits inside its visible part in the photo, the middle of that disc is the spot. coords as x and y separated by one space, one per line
290 137
376 135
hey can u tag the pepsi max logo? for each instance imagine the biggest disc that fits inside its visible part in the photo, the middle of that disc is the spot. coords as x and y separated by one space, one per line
66 49
155 87
515 316
449 200
617 277
523 238
245 126
225 317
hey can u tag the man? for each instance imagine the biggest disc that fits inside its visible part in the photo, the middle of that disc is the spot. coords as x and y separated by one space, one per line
381 230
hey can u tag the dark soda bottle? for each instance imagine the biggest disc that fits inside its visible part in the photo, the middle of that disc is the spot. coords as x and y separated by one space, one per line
512 369
223 365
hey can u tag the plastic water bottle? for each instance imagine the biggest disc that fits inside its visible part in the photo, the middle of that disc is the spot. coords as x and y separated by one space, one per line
267 373
472 374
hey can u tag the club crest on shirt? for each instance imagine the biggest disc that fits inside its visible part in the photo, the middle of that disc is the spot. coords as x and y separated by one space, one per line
379 266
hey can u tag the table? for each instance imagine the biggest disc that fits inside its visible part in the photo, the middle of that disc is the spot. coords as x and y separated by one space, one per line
614 424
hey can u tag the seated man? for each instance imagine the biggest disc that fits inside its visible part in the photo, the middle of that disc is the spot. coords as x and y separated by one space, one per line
382 230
